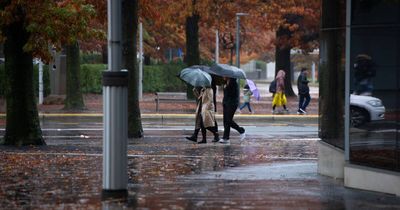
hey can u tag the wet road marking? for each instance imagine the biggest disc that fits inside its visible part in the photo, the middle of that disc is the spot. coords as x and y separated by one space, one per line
73 137
173 128
151 156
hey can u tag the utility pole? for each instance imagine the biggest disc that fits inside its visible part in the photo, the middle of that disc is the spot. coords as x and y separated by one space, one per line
140 89
40 81
115 109
216 46
238 37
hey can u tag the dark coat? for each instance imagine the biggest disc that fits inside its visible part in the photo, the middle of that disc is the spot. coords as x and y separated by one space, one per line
231 93
302 84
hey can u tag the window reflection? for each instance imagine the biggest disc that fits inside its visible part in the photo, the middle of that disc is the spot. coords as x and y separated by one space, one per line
375 76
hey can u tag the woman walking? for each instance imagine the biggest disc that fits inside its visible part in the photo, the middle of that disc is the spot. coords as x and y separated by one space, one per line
279 96
205 116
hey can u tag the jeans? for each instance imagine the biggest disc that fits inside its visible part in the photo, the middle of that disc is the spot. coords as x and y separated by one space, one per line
304 100
246 104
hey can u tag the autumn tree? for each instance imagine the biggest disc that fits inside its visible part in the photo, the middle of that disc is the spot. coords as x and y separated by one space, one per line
169 28
74 96
129 60
27 30
296 23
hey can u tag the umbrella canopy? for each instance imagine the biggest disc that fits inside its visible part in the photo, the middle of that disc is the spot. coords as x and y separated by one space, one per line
254 89
225 70
195 77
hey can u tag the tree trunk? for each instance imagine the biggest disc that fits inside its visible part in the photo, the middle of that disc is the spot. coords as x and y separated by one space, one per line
74 98
192 40
104 53
129 60
282 57
331 77
192 46
22 123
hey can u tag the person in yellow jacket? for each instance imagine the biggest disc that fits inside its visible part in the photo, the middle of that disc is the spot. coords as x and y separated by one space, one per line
279 97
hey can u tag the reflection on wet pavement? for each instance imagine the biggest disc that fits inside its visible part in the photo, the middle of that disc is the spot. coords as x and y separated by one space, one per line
167 172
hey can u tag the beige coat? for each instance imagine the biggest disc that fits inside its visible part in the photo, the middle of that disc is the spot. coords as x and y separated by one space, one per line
280 81
207 112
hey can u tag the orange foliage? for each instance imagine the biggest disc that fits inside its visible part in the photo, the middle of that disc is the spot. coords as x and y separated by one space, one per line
50 23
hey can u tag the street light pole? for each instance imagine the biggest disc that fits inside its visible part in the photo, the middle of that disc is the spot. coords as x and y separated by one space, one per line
140 89
216 46
238 37
115 109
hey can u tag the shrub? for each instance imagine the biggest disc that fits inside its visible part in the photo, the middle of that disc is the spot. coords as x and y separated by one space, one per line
159 78
91 58
91 77
46 80
156 78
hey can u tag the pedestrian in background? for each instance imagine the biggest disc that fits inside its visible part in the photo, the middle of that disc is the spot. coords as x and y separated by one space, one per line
246 98
230 103
304 91
279 97
364 71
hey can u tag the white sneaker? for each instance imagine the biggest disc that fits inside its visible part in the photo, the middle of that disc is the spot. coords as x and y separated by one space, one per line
304 112
224 141
242 136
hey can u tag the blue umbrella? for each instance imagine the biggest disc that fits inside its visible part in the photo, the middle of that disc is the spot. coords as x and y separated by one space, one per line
195 77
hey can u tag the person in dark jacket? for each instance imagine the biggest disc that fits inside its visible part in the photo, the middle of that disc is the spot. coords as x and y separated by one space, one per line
304 91
364 71
230 103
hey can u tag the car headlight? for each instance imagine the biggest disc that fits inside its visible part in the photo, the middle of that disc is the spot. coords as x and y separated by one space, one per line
375 103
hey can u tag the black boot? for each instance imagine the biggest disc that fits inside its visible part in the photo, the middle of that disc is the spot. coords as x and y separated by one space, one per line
204 134
216 137
194 136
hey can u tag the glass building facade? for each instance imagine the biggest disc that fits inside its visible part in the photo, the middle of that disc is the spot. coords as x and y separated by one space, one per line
375 74
360 80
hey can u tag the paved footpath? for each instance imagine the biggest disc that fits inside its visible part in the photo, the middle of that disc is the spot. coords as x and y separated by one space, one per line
271 169
165 171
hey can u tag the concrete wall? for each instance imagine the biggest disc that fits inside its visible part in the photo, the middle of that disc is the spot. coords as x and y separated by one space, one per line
58 75
330 160
373 179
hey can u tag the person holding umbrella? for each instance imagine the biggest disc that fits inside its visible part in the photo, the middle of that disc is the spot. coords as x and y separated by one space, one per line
205 115
230 103
205 111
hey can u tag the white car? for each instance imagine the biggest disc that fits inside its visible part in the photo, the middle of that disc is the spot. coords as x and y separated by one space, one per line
365 109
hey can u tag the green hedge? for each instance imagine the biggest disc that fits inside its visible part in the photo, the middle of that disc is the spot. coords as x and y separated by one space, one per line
91 77
46 80
159 78
91 58
156 78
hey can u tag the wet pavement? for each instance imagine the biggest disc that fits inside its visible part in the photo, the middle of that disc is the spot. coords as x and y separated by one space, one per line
274 168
